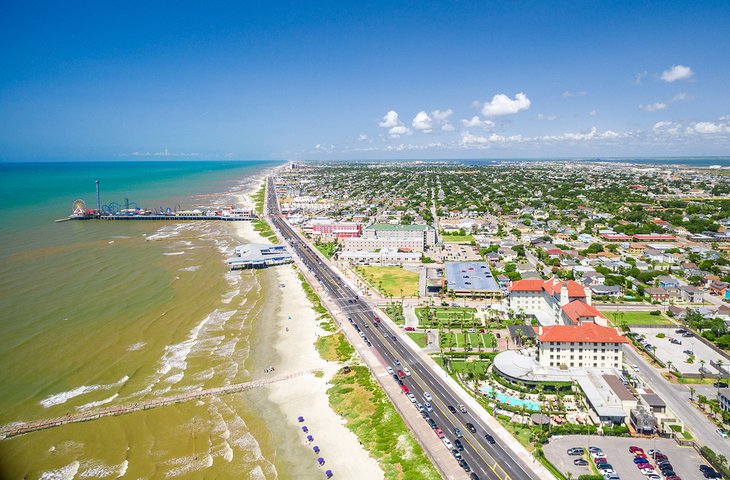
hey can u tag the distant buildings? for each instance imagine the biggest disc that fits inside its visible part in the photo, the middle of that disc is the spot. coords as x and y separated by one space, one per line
415 238
473 279
331 229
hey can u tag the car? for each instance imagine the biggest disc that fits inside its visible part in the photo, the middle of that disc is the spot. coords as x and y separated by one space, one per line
722 432
471 427
424 415
640 455
428 406
439 433
400 382
635 367
687 335
581 462
688 352
396 361
456 453
409 329
462 408
389 369
705 467
473 476
420 407
711 474
639 460
427 396
490 439
411 397
432 422
653 451
634 449
668 473
451 408
576 451
597 455
404 388
401 375
471 330
653 476
593 449
720 385
447 442
680 331
644 466
458 444
406 371
465 465
457 432
604 466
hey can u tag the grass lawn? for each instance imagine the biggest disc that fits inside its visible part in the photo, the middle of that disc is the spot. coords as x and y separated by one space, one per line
334 348
370 415
265 230
258 199
464 340
419 337
637 318
428 317
327 249
391 280
456 238
518 431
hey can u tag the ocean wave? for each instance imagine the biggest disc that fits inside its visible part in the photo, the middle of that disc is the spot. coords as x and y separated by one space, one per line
97 403
183 465
168 254
136 346
228 296
98 469
66 472
63 397
193 268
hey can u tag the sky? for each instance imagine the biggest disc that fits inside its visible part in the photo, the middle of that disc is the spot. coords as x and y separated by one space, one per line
348 80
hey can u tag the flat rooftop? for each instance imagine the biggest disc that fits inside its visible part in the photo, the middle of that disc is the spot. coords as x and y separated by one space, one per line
470 277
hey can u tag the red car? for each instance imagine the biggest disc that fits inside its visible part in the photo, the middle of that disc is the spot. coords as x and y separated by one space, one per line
639 455
404 388
401 374
634 449
644 466
439 432
409 329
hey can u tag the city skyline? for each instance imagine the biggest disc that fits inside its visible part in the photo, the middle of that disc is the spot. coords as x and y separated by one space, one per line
349 81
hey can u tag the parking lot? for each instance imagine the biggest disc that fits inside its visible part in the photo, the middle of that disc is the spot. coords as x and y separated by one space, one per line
668 351
685 460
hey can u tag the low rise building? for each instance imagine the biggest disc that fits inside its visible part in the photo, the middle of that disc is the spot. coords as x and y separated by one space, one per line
584 345
555 302
259 255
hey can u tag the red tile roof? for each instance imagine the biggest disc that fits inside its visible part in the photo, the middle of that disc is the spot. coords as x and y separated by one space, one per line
577 308
574 288
587 332
526 286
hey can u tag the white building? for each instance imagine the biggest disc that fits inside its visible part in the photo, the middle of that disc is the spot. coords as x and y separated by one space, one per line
413 238
555 302
587 345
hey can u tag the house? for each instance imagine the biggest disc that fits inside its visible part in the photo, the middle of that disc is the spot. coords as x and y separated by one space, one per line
612 291
677 312
666 281
691 294
717 287
723 396
657 294
555 302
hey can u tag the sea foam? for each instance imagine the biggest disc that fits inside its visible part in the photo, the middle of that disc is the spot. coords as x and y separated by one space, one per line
63 397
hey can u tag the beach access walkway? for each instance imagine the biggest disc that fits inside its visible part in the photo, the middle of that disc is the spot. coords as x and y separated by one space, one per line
20 428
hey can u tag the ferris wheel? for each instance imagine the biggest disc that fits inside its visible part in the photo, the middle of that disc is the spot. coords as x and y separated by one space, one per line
79 207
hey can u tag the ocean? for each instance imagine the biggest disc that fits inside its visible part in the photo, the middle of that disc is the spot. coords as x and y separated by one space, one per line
109 313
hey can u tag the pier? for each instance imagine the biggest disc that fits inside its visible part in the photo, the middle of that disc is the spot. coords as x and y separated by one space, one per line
21 428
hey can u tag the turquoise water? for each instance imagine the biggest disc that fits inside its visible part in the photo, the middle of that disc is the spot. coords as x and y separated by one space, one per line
509 400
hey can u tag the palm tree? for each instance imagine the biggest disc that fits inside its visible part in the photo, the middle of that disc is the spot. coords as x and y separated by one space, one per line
692 391
720 370
722 460
702 368
669 366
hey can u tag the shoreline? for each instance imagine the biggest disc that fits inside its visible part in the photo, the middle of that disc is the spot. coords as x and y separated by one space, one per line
295 332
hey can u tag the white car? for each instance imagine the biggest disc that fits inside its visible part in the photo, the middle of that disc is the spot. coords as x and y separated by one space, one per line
389 369
406 371
722 433
447 442
427 396
653 476
635 367
412 398
597 454
428 406
649 471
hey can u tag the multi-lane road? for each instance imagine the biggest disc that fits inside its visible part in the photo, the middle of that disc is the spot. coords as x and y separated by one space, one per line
487 460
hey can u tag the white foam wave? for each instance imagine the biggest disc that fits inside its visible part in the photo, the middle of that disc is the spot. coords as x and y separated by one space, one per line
66 472
97 403
63 397
257 473
192 268
98 469
136 346
189 464
228 296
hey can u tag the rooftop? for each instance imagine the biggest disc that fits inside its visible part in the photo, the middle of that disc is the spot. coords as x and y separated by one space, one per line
402 228
585 332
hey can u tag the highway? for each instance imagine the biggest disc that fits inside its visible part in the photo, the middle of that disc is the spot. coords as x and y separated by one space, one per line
488 461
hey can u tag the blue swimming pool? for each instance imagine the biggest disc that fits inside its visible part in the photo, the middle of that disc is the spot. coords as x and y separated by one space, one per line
508 400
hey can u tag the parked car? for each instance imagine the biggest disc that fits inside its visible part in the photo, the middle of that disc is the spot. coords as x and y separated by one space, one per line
439 433
406 371
721 432
457 432
447 442
634 449
458 444
576 451
581 462
720 385
427 396
428 406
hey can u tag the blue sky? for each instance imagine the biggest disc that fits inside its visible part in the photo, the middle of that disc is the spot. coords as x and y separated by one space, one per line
298 80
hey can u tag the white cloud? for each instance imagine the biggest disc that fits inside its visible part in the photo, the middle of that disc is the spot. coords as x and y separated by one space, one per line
569 94
593 113
477 122
540 116
681 97
398 130
422 121
639 77
164 153
441 115
390 120
447 127
592 134
501 104
677 72
653 107
362 137
709 128
667 127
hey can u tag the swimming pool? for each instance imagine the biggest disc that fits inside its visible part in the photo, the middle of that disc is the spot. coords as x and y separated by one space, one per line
514 401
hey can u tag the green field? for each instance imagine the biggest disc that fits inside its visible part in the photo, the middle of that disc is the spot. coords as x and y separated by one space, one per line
456 238
637 318
419 337
327 249
391 281
456 316
464 340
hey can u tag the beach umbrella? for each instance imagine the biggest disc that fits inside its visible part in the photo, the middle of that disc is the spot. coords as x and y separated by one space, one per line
301 419
329 473
321 460
316 449
305 429
310 438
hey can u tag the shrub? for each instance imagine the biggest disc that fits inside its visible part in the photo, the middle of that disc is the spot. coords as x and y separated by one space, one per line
655 312
660 335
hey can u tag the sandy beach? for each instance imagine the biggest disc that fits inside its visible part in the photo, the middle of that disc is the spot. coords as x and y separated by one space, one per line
306 396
